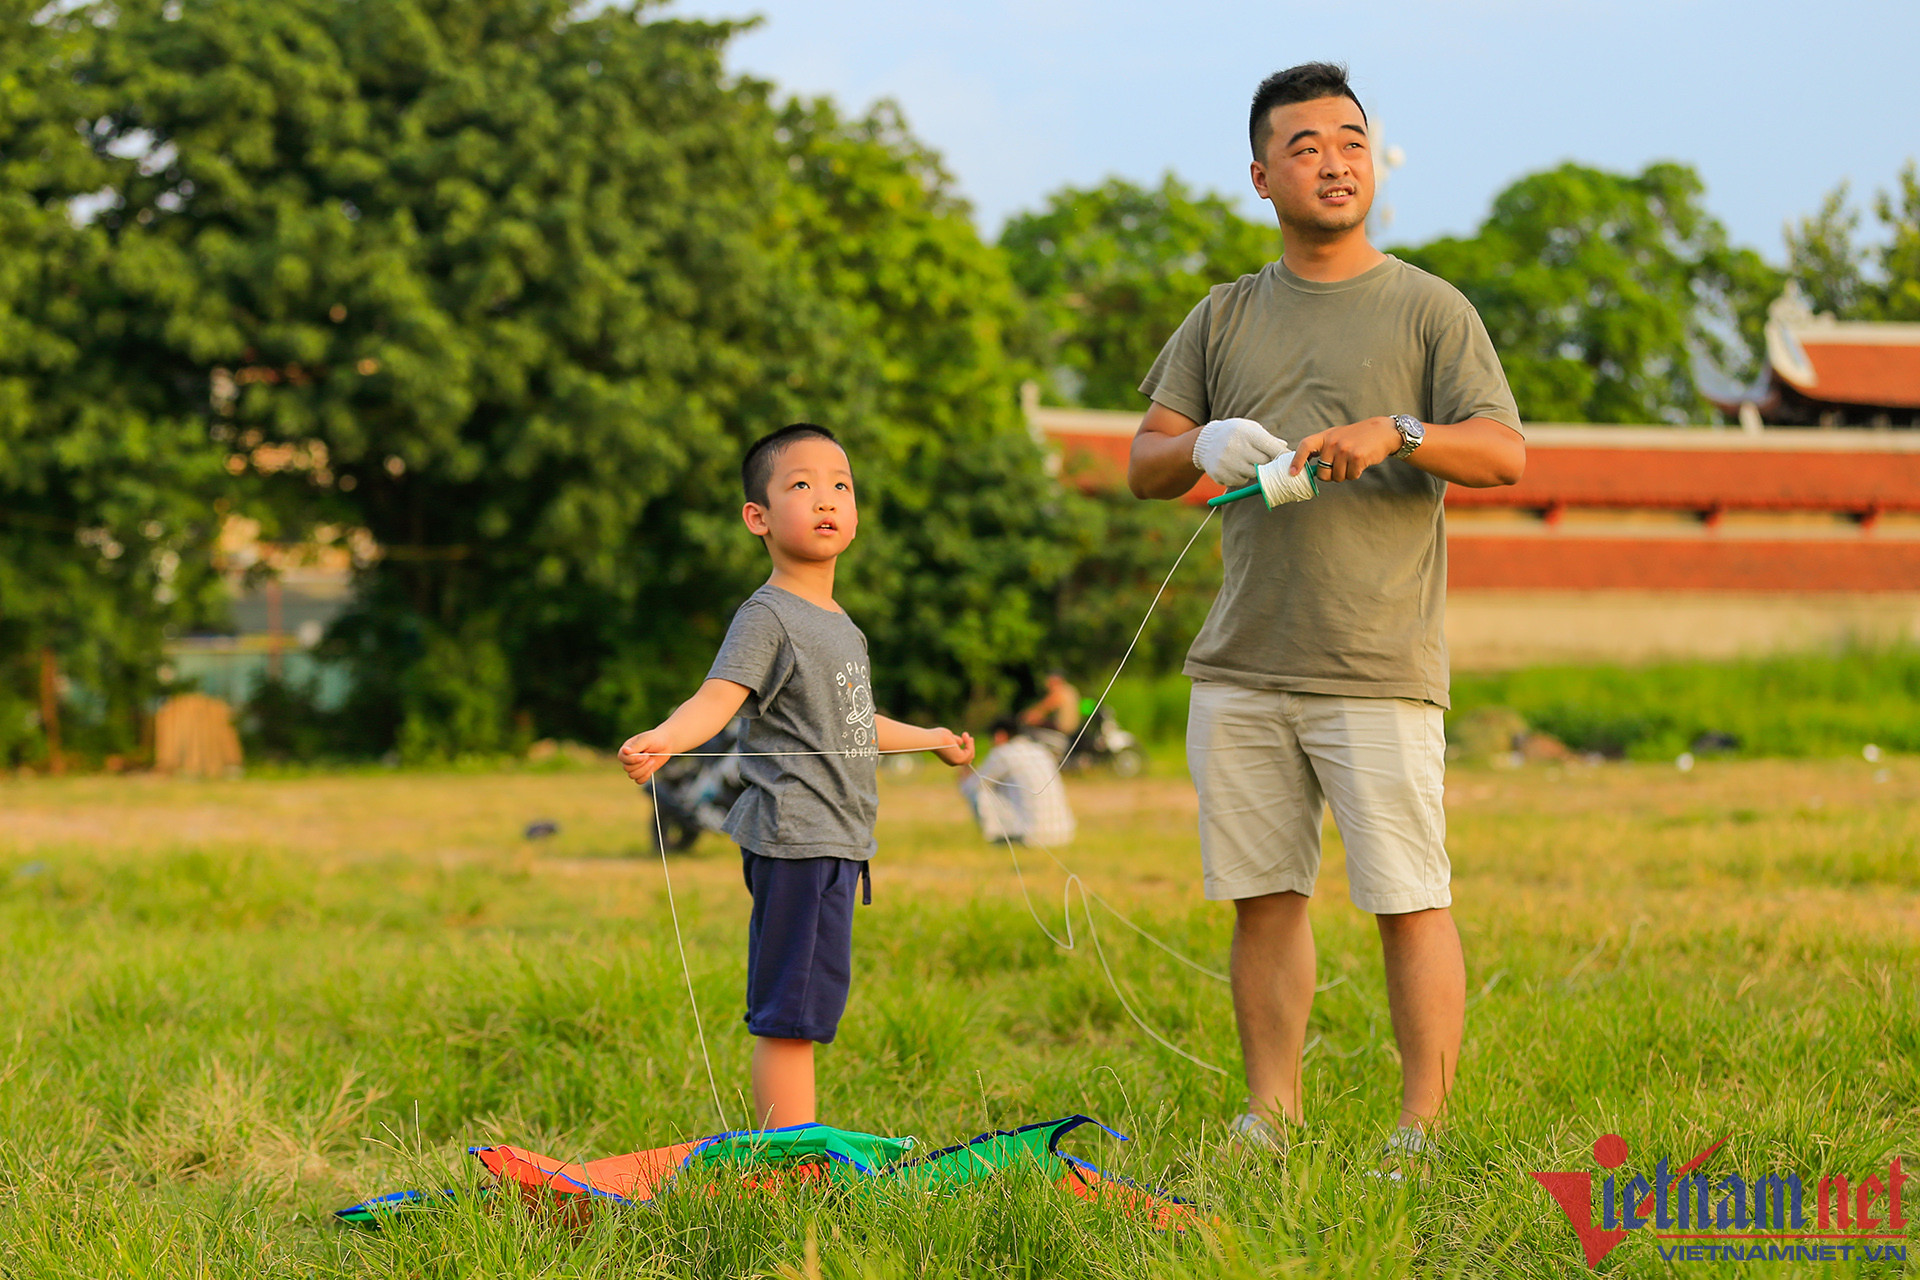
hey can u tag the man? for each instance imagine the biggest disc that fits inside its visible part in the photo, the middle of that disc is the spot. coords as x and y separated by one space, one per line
1058 708
1014 794
1320 674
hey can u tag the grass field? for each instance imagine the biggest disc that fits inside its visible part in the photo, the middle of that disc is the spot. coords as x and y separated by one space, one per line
233 1007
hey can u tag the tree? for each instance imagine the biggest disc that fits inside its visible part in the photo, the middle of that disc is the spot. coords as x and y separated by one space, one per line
1839 276
1121 550
959 546
512 285
512 273
106 486
1824 261
1113 270
1899 212
1604 293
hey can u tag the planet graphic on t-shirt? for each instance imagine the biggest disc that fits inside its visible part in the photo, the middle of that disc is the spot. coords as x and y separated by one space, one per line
861 716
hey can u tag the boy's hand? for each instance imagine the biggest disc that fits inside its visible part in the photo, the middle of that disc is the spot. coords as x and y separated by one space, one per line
959 752
644 753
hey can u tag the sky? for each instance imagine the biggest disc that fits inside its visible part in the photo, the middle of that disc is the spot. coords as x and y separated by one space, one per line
1773 104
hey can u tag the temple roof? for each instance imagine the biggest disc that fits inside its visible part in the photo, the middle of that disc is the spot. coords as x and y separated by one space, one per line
1823 361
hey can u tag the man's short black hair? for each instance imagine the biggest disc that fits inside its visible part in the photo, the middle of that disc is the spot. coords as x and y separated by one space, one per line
1005 724
756 469
1303 83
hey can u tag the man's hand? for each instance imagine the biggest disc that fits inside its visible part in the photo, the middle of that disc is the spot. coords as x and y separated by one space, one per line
1230 449
960 752
1345 452
644 753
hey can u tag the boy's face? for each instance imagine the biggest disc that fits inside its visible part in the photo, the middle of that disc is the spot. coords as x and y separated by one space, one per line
810 512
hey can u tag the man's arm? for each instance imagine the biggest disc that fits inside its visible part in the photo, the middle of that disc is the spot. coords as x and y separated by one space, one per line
1050 701
1160 464
1478 453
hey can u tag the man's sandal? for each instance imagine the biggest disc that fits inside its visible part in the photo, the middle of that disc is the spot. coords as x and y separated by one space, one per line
1406 1156
1255 1134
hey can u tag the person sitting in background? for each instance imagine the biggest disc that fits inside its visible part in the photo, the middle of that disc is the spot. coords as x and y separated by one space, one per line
1014 794
1058 709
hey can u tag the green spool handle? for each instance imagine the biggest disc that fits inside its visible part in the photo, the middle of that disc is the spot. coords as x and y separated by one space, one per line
1234 495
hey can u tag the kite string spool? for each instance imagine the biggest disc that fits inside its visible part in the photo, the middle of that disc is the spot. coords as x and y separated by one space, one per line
1275 484
1279 487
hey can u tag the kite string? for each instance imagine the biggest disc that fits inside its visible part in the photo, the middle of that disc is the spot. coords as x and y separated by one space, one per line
1074 881
1132 644
1088 895
1087 899
1085 724
680 945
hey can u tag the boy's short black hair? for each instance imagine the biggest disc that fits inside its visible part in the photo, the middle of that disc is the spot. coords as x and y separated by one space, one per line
1303 83
756 469
1005 724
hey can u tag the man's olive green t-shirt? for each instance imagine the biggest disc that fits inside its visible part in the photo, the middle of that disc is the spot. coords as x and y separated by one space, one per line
1344 593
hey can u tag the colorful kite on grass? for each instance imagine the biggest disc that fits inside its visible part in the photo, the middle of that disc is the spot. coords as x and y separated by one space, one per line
771 1160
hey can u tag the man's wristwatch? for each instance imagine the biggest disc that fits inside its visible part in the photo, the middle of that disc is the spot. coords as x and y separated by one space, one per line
1412 433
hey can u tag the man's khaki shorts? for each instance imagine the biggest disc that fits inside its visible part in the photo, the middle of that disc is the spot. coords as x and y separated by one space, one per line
1265 762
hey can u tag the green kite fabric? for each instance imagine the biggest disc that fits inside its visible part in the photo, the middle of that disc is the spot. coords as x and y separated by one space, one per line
775 1160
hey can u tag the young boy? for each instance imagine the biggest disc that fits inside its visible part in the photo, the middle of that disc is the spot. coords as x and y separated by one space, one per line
798 665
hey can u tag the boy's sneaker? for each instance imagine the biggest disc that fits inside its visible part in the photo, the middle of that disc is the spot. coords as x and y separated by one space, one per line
1254 1133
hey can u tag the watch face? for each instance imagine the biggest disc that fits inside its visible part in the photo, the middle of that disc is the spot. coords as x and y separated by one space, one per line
1412 432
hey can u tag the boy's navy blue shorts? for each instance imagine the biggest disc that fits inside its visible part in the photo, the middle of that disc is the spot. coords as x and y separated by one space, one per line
799 944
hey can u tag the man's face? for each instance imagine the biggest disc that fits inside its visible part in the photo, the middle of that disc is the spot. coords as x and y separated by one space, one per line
810 512
1318 170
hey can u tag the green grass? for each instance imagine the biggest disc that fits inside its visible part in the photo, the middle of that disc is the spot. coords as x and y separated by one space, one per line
1792 705
233 1007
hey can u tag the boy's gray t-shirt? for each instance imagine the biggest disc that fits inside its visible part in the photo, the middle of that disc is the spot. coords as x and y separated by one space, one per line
1346 593
807 667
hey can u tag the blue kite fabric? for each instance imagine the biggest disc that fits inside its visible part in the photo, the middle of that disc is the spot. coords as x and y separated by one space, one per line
776 1160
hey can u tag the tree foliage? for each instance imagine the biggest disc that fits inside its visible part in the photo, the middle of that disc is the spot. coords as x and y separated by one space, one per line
1851 281
957 553
1604 293
511 285
1112 271
1823 260
507 274
106 485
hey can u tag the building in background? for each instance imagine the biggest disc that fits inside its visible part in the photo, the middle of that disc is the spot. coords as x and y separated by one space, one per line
284 597
1822 372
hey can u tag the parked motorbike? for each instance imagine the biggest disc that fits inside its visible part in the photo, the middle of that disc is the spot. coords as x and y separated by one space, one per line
695 791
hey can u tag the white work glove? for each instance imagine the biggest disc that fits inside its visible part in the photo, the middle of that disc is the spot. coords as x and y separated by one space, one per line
1231 449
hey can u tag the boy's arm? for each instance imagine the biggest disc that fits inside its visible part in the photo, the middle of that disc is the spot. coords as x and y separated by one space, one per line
699 718
891 735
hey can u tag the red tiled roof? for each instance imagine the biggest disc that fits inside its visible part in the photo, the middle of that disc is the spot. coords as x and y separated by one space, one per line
1707 480
1852 370
1565 563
